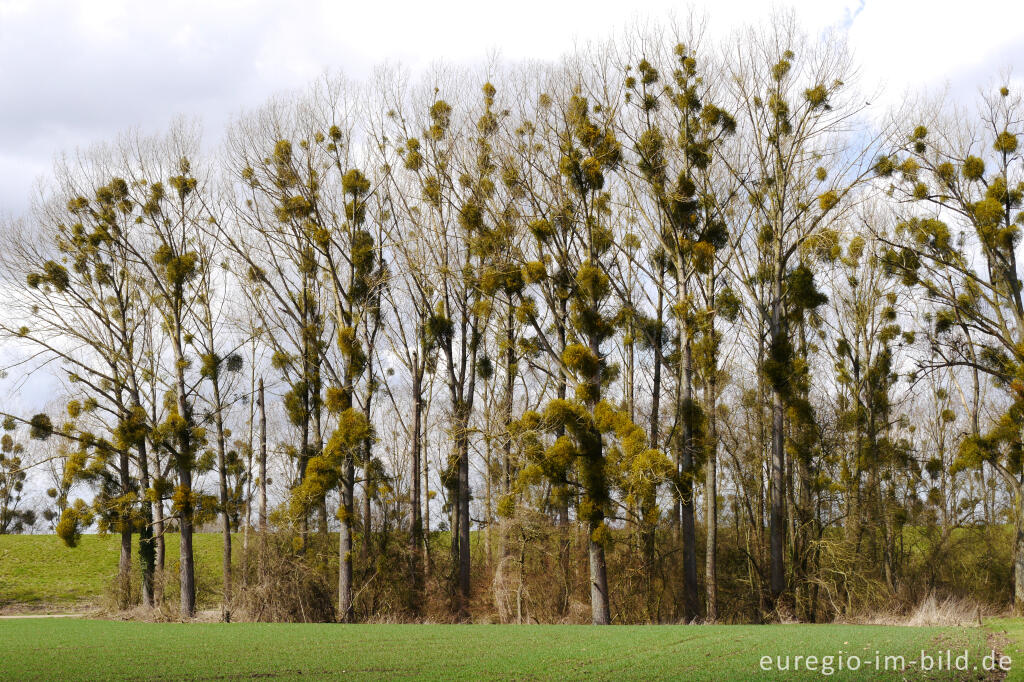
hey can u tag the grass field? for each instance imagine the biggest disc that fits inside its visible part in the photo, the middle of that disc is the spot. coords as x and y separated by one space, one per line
92 649
40 572
1009 632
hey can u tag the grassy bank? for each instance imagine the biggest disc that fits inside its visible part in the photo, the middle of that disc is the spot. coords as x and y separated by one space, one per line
40 572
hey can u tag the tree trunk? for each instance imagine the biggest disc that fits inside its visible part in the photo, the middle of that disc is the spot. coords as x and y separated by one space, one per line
649 535
225 519
161 551
262 408
711 500
416 534
124 572
345 541
687 412
317 446
425 494
147 558
186 563
367 509
306 407
262 514
1018 552
124 568
599 605
463 514
805 538
506 440
777 522
249 492
147 549
596 488
657 342
561 489
368 483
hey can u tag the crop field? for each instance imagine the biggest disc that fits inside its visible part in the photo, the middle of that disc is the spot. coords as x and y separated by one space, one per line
38 574
39 648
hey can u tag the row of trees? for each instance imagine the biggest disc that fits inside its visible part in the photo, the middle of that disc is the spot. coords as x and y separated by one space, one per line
587 312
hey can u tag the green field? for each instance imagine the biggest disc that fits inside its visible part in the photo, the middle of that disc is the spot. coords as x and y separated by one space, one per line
92 649
39 572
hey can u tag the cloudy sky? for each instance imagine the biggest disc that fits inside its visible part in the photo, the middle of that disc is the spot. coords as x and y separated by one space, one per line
77 72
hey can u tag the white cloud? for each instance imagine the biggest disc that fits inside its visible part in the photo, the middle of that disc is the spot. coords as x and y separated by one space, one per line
74 73
911 44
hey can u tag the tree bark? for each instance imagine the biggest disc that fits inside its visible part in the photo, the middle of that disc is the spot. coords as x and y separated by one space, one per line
183 463
777 522
600 610
416 534
161 550
460 533
686 465
186 565
1018 551
262 408
506 440
345 541
124 572
368 483
222 471
687 502
711 497
124 568
147 549
596 487
560 490
425 494
367 507
655 436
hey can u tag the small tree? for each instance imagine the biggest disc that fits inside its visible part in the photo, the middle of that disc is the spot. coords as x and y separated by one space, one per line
13 517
